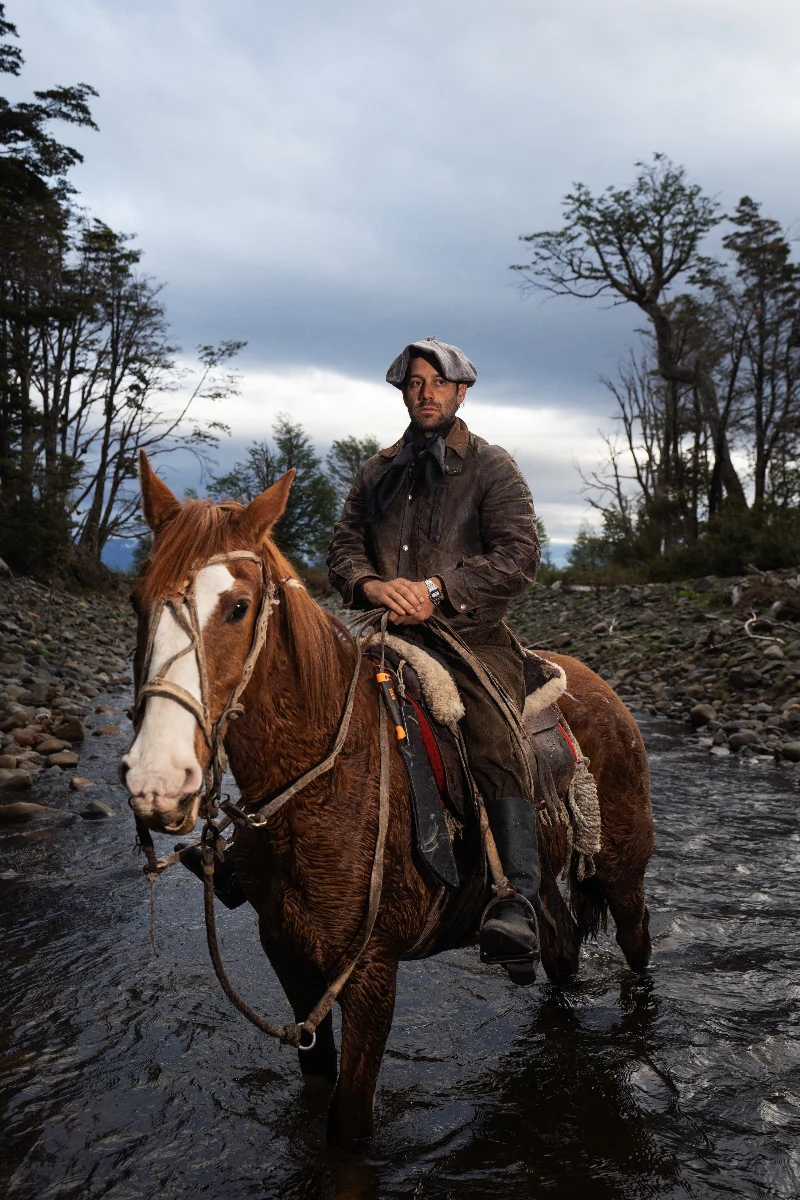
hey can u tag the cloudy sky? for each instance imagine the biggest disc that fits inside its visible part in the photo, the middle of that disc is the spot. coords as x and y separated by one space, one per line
331 181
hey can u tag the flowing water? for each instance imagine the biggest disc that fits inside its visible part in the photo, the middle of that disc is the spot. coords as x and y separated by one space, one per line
126 1076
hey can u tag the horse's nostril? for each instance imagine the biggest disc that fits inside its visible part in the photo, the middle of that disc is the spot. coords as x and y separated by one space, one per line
122 770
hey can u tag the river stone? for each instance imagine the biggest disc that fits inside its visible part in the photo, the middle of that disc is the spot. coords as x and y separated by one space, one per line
560 639
27 736
51 745
78 783
65 758
14 779
701 714
25 810
745 737
649 617
720 751
106 730
773 651
790 751
71 730
96 810
8 762
741 678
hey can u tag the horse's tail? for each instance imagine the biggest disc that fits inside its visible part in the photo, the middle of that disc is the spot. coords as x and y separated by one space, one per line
588 903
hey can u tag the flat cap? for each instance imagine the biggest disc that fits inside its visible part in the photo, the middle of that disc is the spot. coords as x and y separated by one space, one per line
453 364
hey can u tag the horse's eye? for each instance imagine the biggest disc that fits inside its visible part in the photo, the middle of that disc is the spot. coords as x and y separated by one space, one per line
238 612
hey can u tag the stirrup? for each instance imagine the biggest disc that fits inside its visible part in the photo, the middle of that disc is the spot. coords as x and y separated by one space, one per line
531 956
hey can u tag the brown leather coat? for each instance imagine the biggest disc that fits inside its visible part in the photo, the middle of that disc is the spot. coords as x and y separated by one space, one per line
475 529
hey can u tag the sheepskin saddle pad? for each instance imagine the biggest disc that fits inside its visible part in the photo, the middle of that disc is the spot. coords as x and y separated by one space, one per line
544 682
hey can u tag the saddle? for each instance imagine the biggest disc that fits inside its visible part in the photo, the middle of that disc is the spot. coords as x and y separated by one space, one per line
435 756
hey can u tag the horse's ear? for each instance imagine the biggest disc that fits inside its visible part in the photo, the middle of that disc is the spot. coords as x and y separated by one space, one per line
158 502
262 513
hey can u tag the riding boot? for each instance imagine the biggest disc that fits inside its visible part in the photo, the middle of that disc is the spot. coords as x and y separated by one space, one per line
510 930
226 885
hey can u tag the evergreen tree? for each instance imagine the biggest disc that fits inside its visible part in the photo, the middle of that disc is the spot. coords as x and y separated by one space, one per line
304 530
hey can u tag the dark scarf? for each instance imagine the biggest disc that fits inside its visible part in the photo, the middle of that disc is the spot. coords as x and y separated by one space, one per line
421 461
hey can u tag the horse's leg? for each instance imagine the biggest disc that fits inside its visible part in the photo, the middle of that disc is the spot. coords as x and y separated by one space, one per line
367 1007
304 985
626 904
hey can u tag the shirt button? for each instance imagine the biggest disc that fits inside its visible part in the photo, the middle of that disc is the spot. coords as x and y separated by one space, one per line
405 547
463 606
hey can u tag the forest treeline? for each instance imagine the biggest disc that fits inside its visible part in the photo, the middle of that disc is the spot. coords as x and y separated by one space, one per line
702 473
88 371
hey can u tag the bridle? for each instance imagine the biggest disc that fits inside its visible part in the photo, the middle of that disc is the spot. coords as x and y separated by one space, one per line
182 604
214 734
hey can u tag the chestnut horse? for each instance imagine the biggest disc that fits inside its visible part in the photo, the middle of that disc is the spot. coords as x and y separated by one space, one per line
307 872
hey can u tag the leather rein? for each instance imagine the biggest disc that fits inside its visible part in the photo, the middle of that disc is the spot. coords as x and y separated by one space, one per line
183 607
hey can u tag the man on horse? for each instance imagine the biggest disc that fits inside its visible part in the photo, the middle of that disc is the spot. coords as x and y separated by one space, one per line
442 522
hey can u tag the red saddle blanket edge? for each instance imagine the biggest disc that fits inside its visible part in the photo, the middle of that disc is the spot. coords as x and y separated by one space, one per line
568 740
431 749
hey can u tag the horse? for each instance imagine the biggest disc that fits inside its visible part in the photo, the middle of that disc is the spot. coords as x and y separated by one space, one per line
307 871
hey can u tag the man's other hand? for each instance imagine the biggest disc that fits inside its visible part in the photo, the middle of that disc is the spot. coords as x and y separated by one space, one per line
408 602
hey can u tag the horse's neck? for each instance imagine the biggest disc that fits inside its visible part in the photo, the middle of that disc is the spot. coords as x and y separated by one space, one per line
280 736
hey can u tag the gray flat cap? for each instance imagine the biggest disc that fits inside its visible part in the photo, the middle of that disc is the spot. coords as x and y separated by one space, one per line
453 364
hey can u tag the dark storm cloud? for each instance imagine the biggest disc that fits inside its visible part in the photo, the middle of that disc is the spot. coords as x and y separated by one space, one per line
330 181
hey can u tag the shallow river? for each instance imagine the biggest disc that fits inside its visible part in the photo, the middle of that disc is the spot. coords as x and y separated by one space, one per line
128 1076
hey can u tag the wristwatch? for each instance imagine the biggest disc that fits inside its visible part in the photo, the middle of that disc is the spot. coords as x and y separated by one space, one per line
434 592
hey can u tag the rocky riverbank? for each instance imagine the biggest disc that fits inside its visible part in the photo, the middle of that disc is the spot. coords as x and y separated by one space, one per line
723 656
62 659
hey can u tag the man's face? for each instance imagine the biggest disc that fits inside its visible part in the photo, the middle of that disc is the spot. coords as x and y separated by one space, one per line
431 401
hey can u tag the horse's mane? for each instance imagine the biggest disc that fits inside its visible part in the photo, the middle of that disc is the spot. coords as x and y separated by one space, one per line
321 646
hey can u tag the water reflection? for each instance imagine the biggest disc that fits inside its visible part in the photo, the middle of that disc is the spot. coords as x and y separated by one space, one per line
125 1076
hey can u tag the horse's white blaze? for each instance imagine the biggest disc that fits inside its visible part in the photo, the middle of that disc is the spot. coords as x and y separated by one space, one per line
162 764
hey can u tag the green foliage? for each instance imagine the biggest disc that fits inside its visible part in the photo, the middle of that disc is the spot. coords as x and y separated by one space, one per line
304 530
345 458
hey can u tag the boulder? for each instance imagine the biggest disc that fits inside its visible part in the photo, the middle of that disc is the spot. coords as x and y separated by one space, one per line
95 810
51 745
745 737
742 678
701 714
65 758
26 810
71 730
790 751
14 779
27 736
649 617
78 783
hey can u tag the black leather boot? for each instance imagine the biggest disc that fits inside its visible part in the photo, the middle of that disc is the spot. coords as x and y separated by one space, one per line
510 930
226 885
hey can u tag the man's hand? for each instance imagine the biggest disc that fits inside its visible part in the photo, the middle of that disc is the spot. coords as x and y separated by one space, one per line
408 602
